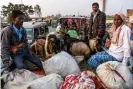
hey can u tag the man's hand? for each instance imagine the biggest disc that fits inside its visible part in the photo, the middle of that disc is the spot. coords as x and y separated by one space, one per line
14 49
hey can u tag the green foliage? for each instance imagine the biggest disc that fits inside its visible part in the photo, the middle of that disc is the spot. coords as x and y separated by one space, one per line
37 10
26 9
109 18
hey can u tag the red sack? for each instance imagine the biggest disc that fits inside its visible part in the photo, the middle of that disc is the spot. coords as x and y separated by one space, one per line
41 72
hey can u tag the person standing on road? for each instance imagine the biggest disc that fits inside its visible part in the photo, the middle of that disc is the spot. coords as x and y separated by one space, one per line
97 24
14 44
58 28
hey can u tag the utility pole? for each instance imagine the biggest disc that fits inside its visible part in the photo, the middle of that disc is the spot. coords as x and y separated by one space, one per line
103 5
21 1
78 13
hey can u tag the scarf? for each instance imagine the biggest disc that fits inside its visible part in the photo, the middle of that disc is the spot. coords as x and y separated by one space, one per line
116 32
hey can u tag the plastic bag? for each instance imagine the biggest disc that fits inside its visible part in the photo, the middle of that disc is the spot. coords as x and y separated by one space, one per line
115 75
18 79
62 64
80 49
79 58
52 81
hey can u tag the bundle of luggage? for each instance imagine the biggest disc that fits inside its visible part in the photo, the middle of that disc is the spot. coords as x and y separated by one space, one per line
62 72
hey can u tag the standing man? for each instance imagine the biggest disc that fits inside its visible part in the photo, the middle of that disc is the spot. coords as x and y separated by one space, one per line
14 44
97 24
58 28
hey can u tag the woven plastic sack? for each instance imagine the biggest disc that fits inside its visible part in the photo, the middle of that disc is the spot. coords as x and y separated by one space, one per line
115 75
19 79
62 64
52 81
80 49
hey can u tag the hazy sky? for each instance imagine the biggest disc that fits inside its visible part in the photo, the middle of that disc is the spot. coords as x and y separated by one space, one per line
72 7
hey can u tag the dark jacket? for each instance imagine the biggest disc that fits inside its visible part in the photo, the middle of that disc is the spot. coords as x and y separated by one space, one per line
10 38
97 28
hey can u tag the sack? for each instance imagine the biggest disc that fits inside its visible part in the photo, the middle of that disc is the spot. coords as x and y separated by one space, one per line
115 75
78 82
92 44
86 80
52 81
19 79
80 49
62 64
72 33
97 81
79 58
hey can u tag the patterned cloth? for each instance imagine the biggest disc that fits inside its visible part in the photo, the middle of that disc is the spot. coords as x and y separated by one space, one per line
78 82
100 58
86 80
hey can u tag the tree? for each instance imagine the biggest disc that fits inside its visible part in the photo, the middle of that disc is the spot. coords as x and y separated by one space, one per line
37 10
7 10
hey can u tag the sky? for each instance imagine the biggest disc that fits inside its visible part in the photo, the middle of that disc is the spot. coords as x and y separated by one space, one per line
73 7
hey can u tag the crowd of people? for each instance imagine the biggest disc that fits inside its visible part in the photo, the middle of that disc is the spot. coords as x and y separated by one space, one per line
14 40
119 49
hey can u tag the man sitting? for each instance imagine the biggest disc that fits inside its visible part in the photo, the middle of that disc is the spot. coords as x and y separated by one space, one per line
14 44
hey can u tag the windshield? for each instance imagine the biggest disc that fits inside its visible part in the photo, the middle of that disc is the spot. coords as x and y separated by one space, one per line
29 33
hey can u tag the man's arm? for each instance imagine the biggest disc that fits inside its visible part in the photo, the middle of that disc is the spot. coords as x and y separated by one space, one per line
5 47
102 25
